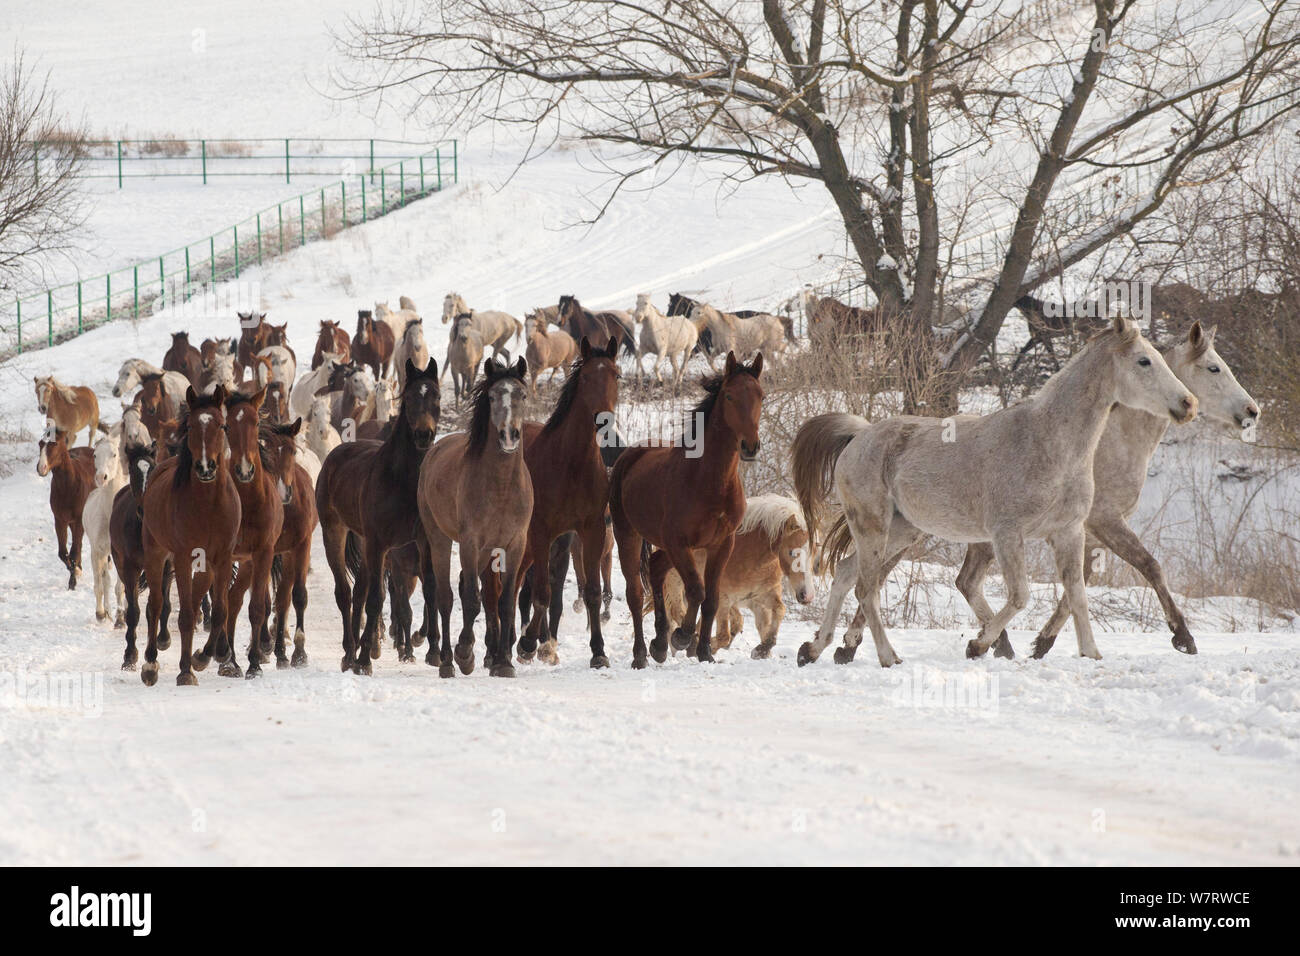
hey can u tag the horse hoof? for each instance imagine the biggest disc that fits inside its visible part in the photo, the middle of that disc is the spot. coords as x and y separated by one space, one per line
362 668
199 661
431 658
417 639
578 606
375 648
761 653
659 650
599 661
253 673
844 655
525 657
638 662
347 664
805 655
119 621
502 670
604 616
186 679
149 673
165 641
406 657
973 650
229 669
704 656
890 661
681 640
266 646
1042 644
548 653
1183 641
1002 647
128 665
101 617
263 657
464 656
282 663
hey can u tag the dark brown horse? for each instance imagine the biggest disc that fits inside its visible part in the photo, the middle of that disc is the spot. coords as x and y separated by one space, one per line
475 491
333 338
373 344
253 331
184 358
293 549
570 491
368 489
124 527
191 519
598 327
261 521
680 503
73 472
155 403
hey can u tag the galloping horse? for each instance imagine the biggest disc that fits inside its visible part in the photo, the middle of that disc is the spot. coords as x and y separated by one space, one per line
73 479
368 489
125 527
191 519
293 548
333 338
158 400
184 358
678 504
475 490
70 407
570 491
373 344
253 332
598 327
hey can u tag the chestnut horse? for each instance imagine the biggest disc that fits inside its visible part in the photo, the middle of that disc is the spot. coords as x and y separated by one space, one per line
680 503
475 490
373 344
368 489
184 358
124 527
261 521
157 402
333 338
70 407
73 480
191 518
293 549
570 491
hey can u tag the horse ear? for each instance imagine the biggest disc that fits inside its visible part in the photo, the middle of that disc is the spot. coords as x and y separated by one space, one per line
757 365
585 348
190 396
731 362
431 370
411 370
521 367
1119 324
219 394
258 398
1196 335
296 426
611 347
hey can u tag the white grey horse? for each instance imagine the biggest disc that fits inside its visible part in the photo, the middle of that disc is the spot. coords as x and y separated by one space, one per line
304 390
135 370
410 347
497 329
110 478
1021 473
671 337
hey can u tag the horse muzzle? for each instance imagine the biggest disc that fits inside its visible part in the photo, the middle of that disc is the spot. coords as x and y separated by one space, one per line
117 392
1249 416
244 477
42 469
423 438
205 474
1188 411
508 439
749 452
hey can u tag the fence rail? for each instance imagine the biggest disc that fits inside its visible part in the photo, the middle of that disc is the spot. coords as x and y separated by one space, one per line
65 311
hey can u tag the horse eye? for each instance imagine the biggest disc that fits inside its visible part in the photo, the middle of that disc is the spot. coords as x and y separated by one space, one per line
1144 361
1214 369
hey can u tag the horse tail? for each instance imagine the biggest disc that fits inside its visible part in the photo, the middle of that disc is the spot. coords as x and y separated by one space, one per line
837 544
816 449
277 571
352 555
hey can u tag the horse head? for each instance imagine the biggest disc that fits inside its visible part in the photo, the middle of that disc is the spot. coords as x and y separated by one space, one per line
741 398
421 403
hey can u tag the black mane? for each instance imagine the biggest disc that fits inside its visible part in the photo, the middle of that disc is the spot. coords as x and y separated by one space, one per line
481 420
181 445
567 394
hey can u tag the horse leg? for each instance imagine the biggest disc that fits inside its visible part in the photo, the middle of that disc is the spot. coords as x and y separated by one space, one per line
846 575
1047 636
470 605
218 582
185 621
374 602
400 602
440 548
872 543
154 576
592 536
539 559
61 536
970 582
164 636
660 565
1009 550
429 583
335 538
244 579
131 655
769 612
258 610
607 581
629 560
502 585
283 594
120 589
301 567
714 564
1115 534
683 562
1067 546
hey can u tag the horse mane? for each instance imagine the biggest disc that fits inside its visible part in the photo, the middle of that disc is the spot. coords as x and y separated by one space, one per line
136 453
151 377
180 444
567 395
712 385
481 399
770 512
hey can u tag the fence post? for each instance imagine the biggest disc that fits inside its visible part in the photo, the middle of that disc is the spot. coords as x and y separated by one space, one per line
383 195
401 182
162 282
119 164
286 160
372 160
18 305
363 198
279 212
187 270
343 194
108 297
49 307
322 214
421 175
203 147
212 257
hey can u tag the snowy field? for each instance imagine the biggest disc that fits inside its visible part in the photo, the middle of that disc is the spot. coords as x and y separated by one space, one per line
1146 757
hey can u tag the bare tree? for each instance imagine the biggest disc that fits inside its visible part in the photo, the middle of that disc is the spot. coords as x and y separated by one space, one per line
890 105
40 158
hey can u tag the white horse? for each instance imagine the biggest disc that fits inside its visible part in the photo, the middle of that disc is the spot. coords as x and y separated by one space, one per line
322 436
110 478
1021 473
135 370
496 328
284 367
745 336
663 336
303 394
129 430
410 346
396 319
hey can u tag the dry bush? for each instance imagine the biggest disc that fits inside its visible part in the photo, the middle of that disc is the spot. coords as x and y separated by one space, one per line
169 146
229 147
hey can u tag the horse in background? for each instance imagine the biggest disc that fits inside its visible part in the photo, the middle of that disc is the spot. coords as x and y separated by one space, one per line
664 337
497 329
550 349
70 407
597 327
96 517
373 344
184 358
333 339
72 479
412 348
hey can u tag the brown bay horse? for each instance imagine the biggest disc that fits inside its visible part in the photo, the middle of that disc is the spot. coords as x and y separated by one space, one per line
253 332
597 327
70 407
333 338
124 531
367 489
373 344
72 479
191 519
475 490
156 403
184 358
680 504
570 491
293 548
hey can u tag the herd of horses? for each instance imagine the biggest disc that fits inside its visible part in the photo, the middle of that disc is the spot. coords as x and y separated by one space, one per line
225 462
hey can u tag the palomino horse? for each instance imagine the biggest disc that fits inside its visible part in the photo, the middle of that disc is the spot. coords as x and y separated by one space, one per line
547 348
671 337
744 336
223 371
598 327
1119 471
771 548
73 478
333 339
260 523
1020 473
464 353
397 320
410 347
70 407
124 530
191 519
679 503
475 490
368 489
96 516
293 549
570 491
135 371
498 329
184 358
373 344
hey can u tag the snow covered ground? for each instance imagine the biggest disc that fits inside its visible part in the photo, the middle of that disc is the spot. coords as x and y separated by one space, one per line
1144 757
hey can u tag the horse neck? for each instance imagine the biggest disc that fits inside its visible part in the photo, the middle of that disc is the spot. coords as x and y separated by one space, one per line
401 458
1076 402
721 454
577 433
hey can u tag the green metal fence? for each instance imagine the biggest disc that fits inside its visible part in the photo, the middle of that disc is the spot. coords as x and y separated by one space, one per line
54 315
